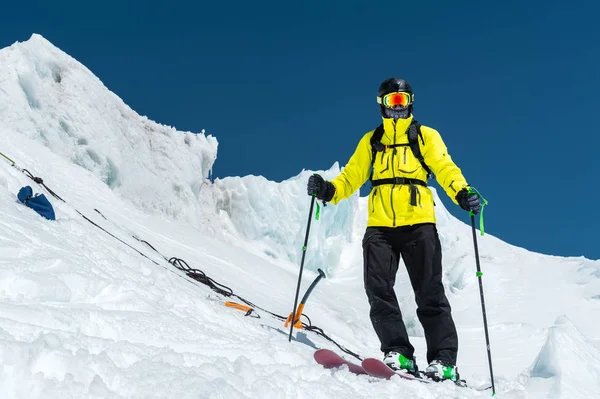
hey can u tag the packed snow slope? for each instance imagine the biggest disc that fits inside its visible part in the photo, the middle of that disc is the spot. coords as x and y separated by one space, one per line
88 309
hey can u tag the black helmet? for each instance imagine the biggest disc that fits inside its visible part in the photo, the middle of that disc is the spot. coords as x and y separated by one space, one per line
393 84
389 86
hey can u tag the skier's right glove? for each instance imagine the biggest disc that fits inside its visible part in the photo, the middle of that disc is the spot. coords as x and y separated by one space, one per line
468 201
317 186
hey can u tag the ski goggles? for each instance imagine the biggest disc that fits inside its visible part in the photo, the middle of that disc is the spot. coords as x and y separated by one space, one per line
394 99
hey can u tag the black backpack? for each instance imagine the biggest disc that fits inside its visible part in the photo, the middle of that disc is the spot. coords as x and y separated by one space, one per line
414 134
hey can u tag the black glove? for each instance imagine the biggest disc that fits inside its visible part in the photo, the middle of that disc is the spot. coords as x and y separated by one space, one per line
468 202
320 188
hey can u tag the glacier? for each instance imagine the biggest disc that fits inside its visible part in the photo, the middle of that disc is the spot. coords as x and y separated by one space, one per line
84 315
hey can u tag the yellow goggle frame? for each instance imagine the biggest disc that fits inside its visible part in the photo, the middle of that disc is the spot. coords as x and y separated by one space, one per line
398 98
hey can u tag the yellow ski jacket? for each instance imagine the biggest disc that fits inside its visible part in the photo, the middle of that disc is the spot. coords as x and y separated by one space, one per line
390 204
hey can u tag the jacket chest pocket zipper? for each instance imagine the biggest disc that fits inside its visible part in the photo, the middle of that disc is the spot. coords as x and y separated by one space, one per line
386 161
373 200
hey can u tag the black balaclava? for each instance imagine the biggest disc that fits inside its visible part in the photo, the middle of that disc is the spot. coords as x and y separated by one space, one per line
396 113
389 86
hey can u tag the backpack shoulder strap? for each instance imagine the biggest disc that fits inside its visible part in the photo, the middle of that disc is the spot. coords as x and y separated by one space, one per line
414 134
376 145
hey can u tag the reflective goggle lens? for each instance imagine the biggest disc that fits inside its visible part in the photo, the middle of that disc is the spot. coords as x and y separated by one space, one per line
394 99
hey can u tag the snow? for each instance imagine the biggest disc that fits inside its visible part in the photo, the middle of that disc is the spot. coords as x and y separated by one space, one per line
564 359
82 314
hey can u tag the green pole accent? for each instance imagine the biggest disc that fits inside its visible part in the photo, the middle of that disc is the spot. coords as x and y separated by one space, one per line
479 274
9 160
473 190
303 248
318 213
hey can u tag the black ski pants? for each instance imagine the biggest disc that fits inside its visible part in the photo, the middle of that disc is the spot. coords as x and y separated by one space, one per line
420 248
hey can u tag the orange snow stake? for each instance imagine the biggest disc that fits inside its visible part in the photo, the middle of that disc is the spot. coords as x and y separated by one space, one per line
298 323
239 306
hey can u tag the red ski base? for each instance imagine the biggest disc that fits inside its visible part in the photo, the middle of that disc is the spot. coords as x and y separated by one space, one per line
330 360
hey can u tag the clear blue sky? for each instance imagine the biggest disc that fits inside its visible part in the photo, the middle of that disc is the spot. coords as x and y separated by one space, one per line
512 86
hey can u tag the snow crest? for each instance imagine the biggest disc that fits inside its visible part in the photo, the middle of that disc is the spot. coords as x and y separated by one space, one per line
273 217
570 360
54 100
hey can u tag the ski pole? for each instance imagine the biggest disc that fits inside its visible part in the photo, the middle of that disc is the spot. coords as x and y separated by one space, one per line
12 163
485 326
312 205
296 318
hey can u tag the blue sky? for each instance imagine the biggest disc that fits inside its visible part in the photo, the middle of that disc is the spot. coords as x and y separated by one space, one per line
513 87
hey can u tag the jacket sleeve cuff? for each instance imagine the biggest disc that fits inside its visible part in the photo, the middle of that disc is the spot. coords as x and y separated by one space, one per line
329 192
336 194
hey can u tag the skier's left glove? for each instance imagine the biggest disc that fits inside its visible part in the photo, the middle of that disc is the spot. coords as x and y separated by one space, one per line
468 201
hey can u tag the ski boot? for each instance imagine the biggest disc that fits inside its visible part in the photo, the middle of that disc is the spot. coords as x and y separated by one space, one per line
439 371
398 362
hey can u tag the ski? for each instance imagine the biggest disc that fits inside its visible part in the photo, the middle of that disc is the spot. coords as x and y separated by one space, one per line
330 360
377 368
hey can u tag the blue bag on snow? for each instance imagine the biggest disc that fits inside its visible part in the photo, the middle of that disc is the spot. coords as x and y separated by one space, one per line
38 202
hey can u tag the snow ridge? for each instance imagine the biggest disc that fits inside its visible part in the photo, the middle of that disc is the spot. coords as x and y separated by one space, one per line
51 98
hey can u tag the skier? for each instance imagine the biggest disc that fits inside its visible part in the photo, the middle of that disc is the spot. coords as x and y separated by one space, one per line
401 223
